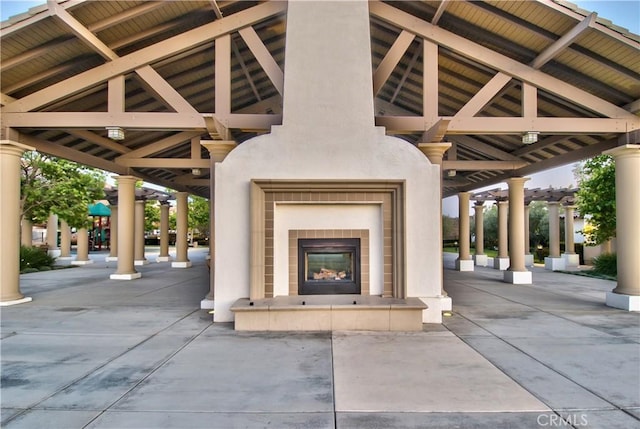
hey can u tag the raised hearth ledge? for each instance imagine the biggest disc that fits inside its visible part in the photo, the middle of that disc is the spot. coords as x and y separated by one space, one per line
328 313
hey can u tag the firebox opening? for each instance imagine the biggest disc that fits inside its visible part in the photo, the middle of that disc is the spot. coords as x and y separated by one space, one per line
328 266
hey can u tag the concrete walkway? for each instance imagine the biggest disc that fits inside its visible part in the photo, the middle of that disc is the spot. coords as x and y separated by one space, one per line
98 353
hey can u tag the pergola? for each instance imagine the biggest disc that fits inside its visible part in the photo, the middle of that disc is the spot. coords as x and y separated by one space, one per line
561 195
161 90
172 74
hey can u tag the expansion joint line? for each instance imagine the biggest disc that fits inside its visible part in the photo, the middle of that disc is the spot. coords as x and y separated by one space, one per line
565 376
157 367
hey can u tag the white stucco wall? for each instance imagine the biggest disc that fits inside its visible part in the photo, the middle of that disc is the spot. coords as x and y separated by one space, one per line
326 216
328 132
337 157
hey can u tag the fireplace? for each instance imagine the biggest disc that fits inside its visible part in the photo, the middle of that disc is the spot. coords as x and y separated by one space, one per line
328 266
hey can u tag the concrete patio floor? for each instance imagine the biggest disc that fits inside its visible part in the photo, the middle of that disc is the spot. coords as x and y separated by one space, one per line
99 353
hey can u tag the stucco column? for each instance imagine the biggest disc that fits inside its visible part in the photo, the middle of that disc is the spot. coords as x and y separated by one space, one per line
627 293
26 233
554 261
480 258
138 254
517 272
464 261
182 226
164 232
501 262
65 240
126 209
10 155
82 248
218 151
435 152
113 234
571 258
52 235
528 257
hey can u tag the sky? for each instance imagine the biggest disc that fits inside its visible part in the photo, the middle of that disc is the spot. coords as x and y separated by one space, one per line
624 13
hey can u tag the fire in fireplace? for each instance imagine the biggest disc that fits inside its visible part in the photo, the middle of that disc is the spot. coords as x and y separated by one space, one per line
328 266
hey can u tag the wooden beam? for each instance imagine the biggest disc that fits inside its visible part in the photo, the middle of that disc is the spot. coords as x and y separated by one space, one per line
151 54
99 140
441 8
168 163
98 120
482 165
115 97
529 101
484 96
391 60
6 99
264 58
563 42
430 80
223 75
166 92
436 133
87 37
72 155
160 145
495 60
510 125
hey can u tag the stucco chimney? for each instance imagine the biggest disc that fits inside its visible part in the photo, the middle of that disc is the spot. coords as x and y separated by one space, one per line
328 65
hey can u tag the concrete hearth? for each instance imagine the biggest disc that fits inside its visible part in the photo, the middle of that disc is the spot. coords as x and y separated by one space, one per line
328 313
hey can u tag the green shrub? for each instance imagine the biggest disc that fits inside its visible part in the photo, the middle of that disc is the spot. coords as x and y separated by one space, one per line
33 258
607 264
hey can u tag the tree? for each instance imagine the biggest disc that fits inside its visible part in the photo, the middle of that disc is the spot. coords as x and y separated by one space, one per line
538 224
449 228
490 227
198 213
596 198
151 215
53 185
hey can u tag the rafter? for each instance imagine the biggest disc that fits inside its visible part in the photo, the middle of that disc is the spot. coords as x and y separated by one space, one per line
484 96
99 140
87 37
440 11
497 61
391 60
151 54
563 42
67 153
263 56
160 145
482 165
484 148
166 92
168 163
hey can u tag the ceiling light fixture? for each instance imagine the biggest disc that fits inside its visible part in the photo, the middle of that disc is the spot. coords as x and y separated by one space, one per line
115 133
196 171
530 137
